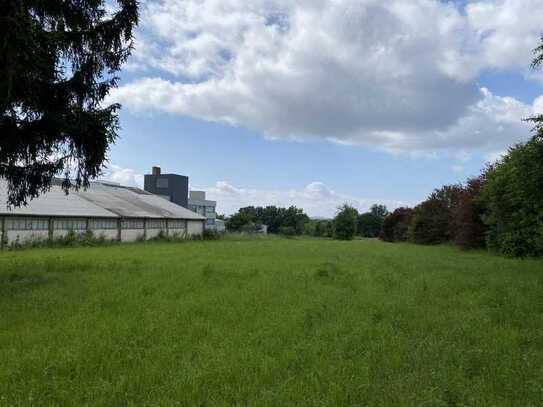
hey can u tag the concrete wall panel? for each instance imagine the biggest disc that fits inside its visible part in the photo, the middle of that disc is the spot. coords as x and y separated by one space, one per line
109 234
195 227
131 235
151 233
25 236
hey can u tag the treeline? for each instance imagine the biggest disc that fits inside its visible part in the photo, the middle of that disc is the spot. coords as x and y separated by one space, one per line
287 221
502 209
293 221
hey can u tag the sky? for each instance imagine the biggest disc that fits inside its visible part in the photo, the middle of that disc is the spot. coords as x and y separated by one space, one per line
316 103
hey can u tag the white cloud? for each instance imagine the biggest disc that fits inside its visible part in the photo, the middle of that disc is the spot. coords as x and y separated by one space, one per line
398 75
124 176
457 168
316 199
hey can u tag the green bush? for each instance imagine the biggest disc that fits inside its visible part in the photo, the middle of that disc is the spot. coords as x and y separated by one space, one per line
513 201
211 235
287 231
345 223
369 225
433 219
395 226
468 229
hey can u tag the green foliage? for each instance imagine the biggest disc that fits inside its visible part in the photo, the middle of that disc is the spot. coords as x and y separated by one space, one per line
468 229
269 322
370 223
58 61
345 223
396 225
379 211
70 239
432 219
211 235
236 222
275 218
513 200
287 231
319 228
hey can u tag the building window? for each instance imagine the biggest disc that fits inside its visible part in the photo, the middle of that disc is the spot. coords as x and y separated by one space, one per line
210 211
156 224
102 224
27 224
132 224
176 224
162 182
70 224
211 222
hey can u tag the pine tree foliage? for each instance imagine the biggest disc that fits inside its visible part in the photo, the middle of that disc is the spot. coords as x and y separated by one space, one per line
58 61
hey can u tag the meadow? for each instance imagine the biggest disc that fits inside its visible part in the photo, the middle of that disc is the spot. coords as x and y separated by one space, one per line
270 322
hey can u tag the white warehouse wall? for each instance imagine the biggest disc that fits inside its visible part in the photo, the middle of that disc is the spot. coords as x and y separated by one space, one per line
131 235
195 227
25 236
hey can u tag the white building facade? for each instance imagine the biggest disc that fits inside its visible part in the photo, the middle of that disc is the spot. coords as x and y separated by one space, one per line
199 204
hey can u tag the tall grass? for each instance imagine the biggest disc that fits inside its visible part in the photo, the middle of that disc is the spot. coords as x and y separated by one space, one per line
269 322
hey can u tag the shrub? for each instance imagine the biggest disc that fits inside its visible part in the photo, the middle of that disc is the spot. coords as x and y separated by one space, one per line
310 228
211 235
432 219
369 225
345 223
236 222
324 228
287 231
512 196
467 224
395 226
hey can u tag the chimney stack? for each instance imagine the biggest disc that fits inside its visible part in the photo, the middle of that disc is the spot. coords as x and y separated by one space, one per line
156 171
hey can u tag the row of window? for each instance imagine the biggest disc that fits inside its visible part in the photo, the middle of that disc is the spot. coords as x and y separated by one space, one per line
27 224
93 224
207 211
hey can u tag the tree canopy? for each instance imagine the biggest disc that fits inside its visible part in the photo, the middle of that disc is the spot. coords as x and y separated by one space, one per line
58 61
272 216
345 222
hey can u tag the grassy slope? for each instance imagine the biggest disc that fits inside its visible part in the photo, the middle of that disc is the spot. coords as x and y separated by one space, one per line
278 322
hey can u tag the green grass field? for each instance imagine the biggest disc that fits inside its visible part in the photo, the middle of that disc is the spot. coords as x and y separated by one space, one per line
270 323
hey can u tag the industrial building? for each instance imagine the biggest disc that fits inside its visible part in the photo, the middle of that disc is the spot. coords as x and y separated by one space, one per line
107 209
199 204
175 188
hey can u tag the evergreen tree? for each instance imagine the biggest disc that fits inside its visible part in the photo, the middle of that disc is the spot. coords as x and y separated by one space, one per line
58 61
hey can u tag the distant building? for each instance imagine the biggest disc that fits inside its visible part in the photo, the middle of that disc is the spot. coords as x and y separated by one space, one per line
173 187
107 209
203 207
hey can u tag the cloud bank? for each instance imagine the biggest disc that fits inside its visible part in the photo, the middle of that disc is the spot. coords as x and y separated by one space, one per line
399 76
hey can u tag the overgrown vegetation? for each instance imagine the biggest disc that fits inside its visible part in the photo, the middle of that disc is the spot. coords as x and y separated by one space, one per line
90 239
370 223
250 219
345 223
269 322
70 239
513 201
396 225
502 209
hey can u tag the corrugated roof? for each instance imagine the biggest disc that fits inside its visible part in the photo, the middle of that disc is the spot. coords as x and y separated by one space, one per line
99 200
